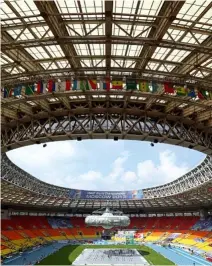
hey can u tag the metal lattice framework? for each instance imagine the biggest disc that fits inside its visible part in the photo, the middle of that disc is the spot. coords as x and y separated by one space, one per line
151 39
139 116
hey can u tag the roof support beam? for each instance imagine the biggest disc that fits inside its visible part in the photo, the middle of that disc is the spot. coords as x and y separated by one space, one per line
194 60
58 28
44 105
7 112
171 9
20 56
65 101
24 108
148 42
91 21
108 33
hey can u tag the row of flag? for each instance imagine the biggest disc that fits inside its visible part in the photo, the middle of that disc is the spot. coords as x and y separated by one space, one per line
144 86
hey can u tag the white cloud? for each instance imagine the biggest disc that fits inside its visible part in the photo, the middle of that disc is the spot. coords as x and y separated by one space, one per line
150 173
66 165
91 176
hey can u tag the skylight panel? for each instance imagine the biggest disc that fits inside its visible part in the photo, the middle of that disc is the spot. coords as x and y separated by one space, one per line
37 52
6 58
127 7
81 49
152 65
25 8
67 6
177 55
199 74
26 35
86 63
134 50
129 63
40 31
207 63
150 7
99 63
97 49
119 49
173 34
166 67
206 18
90 28
116 31
191 10
117 63
55 50
14 33
90 6
53 66
141 31
75 29
6 12
15 70
161 53
63 63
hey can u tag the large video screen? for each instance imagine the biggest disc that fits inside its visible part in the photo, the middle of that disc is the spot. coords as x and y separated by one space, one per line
106 195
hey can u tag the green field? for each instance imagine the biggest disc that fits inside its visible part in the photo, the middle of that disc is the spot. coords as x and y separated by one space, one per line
68 254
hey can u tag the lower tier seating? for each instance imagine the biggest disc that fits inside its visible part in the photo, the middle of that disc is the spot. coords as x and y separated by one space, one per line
21 232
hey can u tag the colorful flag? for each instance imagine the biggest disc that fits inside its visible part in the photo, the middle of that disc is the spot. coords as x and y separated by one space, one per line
117 84
41 87
91 84
8 92
144 86
52 86
17 90
76 85
154 87
191 92
79 85
168 88
203 94
30 89
131 84
105 84
181 91
65 85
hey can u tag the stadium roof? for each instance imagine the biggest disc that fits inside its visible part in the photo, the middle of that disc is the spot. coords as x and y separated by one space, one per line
164 40
192 190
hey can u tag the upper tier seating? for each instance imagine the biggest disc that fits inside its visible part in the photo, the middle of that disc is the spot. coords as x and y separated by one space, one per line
57 222
203 224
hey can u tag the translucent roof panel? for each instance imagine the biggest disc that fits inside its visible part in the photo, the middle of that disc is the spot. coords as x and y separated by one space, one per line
40 31
119 49
5 59
55 50
160 53
191 10
37 52
67 6
177 55
82 37
134 50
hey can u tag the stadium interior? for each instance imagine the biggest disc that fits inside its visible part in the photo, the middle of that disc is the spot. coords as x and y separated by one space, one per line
118 70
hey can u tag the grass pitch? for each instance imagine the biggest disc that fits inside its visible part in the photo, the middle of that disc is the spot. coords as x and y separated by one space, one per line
68 254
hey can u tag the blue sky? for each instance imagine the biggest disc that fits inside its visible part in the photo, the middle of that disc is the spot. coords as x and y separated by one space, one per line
105 164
